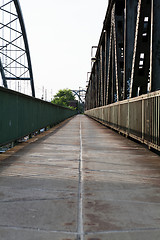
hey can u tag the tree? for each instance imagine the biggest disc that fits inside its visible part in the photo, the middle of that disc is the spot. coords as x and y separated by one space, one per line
63 97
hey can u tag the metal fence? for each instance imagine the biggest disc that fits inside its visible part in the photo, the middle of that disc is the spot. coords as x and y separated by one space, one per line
137 117
21 115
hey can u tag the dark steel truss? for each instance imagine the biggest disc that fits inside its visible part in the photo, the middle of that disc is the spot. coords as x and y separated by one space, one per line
80 94
15 61
127 61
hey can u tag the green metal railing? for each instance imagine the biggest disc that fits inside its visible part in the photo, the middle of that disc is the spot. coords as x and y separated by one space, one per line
22 115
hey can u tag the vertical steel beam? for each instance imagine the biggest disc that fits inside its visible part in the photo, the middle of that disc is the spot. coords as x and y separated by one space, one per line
155 71
119 46
141 59
130 14
108 94
94 89
115 78
96 86
91 102
106 55
99 82
101 76
3 75
113 73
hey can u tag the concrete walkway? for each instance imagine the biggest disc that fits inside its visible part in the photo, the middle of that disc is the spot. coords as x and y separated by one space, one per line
82 181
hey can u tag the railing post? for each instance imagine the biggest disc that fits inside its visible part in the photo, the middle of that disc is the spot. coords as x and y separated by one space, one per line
143 119
128 125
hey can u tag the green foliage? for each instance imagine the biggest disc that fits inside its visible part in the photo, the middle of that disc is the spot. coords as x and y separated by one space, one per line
63 97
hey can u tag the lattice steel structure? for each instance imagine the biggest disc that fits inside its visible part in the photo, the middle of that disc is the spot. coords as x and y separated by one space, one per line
127 61
80 94
15 61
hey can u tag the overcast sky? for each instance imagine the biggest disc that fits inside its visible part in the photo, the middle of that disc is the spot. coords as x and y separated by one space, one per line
61 34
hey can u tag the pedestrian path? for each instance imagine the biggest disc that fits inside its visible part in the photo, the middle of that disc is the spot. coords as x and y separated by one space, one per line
82 181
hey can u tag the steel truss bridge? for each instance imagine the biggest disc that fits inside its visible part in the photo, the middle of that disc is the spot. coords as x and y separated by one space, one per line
15 61
124 86
123 89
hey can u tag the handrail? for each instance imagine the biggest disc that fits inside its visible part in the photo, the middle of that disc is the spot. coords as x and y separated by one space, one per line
137 117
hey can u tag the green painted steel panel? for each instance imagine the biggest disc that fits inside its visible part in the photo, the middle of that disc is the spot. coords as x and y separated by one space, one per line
21 115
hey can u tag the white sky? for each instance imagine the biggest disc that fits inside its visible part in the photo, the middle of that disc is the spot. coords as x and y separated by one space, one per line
61 34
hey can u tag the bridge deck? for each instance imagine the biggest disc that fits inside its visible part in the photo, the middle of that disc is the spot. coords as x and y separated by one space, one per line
82 181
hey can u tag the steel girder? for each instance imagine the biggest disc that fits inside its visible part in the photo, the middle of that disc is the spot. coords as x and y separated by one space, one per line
80 94
15 61
128 54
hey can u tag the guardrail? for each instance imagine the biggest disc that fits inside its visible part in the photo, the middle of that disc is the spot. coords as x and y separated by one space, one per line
137 117
22 115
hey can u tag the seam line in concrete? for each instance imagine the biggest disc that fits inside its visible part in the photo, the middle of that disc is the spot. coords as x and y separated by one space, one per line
132 202
124 231
122 173
36 229
37 200
80 191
